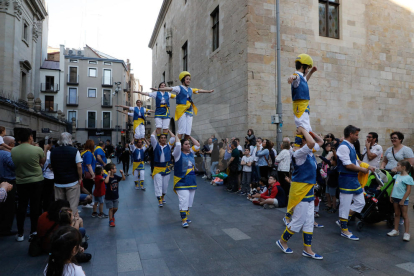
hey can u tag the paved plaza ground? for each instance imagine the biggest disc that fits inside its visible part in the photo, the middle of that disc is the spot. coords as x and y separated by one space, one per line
228 236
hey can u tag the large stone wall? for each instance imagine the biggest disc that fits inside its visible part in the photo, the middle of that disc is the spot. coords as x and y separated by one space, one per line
364 78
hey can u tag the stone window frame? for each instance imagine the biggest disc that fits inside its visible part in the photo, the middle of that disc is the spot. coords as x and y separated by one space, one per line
76 117
94 62
215 18
25 32
110 119
184 50
92 88
103 95
87 118
327 4
96 72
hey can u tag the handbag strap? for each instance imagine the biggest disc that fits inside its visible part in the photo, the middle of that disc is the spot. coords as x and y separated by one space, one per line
393 154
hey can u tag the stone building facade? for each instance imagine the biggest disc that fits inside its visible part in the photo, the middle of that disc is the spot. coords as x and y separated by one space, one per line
364 76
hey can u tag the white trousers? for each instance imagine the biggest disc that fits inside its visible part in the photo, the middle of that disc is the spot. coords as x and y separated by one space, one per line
139 132
303 217
162 123
184 124
303 121
139 175
346 204
185 198
161 184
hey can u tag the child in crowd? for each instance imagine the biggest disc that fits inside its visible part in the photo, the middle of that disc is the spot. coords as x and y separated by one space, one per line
218 178
112 193
3 146
99 193
65 245
263 185
332 183
254 189
246 162
399 197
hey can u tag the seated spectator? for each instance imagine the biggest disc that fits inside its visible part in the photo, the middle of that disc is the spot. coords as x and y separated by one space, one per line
218 178
48 222
66 242
274 197
254 189
85 197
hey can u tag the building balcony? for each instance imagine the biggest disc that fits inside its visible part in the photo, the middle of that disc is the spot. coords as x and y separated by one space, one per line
106 124
72 101
49 87
73 80
107 103
107 82
91 124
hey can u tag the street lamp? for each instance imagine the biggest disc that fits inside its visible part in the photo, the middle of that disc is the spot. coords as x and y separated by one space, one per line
117 114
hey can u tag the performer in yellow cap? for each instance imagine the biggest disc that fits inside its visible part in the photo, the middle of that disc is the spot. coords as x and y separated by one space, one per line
300 93
162 111
301 196
138 113
185 106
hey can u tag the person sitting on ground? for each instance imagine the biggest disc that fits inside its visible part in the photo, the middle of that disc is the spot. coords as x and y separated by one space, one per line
65 245
48 222
218 178
274 197
254 189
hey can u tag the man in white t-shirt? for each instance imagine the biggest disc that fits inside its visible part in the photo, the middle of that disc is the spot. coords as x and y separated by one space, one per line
372 151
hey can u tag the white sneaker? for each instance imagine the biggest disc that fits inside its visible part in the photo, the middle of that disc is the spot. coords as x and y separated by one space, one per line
395 233
19 238
406 237
204 176
88 206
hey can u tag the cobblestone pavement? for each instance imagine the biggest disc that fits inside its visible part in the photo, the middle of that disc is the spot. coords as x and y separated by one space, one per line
228 236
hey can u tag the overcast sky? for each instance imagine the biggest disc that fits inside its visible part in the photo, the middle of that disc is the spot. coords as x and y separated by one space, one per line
119 28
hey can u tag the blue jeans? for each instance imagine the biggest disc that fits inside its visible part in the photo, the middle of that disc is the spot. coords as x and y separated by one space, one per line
255 173
214 167
82 231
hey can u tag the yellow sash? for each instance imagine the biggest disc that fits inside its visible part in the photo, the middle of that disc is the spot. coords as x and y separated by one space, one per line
180 109
363 177
297 192
136 165
177 179
158 170
166 106
299 107
98 147
83 152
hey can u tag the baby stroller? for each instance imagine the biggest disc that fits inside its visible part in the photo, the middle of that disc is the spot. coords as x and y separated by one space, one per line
377 200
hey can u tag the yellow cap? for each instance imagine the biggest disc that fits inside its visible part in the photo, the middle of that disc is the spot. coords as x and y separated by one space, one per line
305 59
184 74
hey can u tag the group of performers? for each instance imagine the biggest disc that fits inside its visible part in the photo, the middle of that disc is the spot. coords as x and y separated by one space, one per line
300 211
184 172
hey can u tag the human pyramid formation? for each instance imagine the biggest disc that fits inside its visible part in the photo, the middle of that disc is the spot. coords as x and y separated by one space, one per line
184 171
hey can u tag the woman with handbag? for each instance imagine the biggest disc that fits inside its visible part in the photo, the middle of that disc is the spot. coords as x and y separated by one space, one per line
263 153
88 166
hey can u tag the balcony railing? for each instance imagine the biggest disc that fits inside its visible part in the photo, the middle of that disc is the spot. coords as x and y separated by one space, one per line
50 108
72 80
91 123
107 102
49 87
107 82
106 124
72 101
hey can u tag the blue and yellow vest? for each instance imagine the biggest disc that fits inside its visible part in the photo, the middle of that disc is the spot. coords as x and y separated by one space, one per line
302 91
305 173
182 99
348 180
137 115
138 162
162 109
162 167
184 176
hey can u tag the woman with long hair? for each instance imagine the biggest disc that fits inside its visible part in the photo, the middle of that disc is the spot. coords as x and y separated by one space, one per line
88 165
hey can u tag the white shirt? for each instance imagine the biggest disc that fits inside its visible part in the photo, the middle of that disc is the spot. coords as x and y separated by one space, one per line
343 154
177 152
78 160
154 95
1 140
302 153
375 149
283 159
296 82
47 172
154 143
247 160
139 111
254 151
177 90
70 270
240 148
132 148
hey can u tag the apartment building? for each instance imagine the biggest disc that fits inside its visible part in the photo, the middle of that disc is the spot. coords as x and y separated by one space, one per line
94 83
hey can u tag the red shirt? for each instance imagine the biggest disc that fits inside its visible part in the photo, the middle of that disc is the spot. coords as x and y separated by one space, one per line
99 186
43 225
271 191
